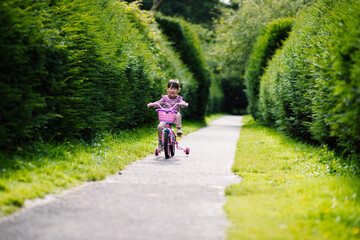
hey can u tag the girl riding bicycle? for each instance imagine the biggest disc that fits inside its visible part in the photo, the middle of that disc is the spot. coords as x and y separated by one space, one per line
169 101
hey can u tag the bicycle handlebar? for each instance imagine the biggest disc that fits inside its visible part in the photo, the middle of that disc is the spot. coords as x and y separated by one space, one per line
169 109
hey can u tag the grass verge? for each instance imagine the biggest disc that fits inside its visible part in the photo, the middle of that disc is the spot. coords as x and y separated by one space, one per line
43 168
290 190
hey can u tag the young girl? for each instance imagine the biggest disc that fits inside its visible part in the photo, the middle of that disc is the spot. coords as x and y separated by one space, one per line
168 101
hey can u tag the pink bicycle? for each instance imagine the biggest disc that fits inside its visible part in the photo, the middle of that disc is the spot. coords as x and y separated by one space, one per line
168 135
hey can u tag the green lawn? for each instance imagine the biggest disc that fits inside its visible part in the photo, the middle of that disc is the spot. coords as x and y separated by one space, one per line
42 168
290 190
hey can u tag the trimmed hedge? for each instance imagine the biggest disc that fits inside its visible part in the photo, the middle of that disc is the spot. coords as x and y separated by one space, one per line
73 67
208 44
21 66
270 40
311 87
237 33
186 42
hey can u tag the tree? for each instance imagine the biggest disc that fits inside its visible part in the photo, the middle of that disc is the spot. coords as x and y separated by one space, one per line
157 4
237 32
199 12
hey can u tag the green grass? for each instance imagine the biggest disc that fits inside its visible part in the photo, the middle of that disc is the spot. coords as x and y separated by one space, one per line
290 190
42 168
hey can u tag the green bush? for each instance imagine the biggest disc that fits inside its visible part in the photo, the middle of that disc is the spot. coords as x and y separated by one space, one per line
237 33
71 68
208 43
265 46
216 96
173 67
311 87
22 54
336 105
187 43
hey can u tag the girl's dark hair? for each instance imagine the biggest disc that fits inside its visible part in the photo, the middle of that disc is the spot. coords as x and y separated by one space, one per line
173 83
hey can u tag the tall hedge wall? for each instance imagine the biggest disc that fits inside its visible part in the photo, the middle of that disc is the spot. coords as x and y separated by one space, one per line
208 44
270 40
186 42
312 86
73 67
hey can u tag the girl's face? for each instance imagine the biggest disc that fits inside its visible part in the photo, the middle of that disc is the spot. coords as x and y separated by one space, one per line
172 92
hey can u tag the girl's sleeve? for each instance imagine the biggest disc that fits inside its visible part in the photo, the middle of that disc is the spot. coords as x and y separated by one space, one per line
161 101
154 104
182 103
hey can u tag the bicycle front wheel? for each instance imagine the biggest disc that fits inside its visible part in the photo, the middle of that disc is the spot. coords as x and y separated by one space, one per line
167 145
172 146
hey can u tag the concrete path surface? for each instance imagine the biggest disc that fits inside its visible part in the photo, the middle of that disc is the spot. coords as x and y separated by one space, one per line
154 198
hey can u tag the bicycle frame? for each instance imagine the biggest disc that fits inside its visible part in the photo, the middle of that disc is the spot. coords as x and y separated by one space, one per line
172 136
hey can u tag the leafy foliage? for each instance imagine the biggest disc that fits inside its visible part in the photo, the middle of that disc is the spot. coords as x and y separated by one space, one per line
216 95
239 29
237 32
272 38
197 12
311 88
71 68
187 43
21 69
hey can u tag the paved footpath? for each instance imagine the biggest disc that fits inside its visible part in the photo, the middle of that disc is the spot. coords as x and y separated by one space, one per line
154 198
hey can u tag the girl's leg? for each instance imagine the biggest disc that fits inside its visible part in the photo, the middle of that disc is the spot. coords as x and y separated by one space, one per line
160 128
177 121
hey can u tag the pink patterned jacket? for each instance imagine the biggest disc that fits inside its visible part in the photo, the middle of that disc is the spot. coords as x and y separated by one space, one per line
167 102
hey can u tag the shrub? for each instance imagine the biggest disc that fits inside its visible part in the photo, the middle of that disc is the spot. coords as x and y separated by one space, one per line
22 54
108 79
237 33
265 46
336 104
187 43
313 83
208 43
71 68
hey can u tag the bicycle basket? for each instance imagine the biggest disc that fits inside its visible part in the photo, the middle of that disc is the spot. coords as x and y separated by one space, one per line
166 116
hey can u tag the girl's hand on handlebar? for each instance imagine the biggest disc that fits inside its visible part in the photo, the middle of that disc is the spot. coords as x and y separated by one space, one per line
183 104
155 104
